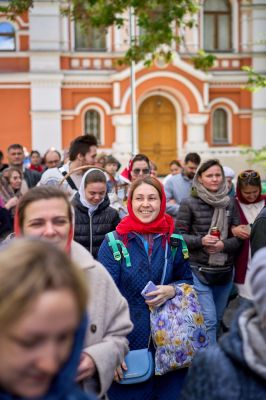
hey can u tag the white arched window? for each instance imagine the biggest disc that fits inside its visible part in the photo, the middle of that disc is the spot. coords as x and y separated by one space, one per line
7 37
89 39
217 25
220 126
93 124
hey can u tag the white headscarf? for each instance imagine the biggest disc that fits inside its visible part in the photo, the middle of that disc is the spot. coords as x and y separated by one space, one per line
91 207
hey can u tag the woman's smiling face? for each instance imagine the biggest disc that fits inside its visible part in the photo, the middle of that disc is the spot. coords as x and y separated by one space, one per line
146 203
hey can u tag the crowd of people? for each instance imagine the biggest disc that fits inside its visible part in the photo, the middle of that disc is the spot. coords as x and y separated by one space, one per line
80 240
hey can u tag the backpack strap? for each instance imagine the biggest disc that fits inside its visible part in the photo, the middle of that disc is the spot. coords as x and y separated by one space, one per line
113 243
175 238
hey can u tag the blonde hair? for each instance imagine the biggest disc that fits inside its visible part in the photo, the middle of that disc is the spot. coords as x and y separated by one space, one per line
29 267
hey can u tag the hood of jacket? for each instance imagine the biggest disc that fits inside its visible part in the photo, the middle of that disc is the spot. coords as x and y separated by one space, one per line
231 343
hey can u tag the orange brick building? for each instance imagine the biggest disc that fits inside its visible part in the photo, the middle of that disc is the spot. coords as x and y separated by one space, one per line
56 82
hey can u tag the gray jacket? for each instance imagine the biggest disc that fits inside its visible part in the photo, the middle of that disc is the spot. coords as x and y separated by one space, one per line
177 188
109 322
193 221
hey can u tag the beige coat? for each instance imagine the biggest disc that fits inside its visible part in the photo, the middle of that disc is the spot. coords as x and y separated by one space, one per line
109 321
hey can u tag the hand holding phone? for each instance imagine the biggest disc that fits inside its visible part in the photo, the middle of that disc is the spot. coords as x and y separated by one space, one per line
150 287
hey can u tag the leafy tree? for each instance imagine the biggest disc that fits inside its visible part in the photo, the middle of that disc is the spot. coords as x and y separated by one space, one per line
255 156
203 61
256 81
158 21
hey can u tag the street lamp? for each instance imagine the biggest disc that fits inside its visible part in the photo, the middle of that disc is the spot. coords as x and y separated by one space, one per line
132 83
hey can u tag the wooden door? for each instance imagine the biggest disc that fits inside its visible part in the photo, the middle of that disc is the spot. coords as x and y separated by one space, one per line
157 131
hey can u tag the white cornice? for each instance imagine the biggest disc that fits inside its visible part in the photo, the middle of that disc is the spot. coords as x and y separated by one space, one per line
177 62
15 86
230 76
14 54
74 84
15 77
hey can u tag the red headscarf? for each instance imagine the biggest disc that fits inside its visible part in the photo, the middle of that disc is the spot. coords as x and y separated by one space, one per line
163 223
240 196
18 230
126 173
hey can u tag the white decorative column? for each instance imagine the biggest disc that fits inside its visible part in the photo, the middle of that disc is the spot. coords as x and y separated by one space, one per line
46 112
259 63
196 132
122 144
47 39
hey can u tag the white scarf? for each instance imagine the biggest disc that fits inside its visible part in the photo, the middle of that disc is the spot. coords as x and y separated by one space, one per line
91 207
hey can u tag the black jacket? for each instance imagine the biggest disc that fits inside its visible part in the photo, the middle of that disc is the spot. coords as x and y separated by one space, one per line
5 222
91 229
258 232
31 177
194 219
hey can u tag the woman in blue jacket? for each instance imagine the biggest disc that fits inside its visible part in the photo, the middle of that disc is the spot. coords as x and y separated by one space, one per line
146 234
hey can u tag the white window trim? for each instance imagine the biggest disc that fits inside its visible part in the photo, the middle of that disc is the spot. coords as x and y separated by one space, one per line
101 113
229 125
16 30
234 27
107 41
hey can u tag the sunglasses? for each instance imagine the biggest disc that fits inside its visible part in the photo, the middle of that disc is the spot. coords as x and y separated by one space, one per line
144 171
249 174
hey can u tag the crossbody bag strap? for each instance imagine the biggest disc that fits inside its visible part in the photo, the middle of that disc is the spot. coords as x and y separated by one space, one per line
174 245
165 264
69 180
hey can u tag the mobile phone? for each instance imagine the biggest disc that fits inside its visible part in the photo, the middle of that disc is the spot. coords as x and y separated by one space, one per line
150 287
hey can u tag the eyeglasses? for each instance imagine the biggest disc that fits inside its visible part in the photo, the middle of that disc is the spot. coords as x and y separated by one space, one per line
137 171
249 174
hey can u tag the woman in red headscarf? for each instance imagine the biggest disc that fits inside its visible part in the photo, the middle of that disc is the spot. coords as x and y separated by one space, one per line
145 233
250 202
45 212
138 167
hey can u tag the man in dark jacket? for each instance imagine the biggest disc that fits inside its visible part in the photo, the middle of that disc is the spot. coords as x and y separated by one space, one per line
236 368
15 155
258 232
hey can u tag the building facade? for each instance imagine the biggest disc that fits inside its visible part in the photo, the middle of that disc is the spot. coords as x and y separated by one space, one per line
57 82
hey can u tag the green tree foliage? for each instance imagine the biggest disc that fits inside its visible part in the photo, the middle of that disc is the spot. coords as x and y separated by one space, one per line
255 81
203 61
255 156
158 22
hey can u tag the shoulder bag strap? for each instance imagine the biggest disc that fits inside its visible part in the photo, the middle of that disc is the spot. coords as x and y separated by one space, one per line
183 243
69 181
165 264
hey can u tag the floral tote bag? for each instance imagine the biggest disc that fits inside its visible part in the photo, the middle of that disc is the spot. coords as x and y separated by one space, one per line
178 330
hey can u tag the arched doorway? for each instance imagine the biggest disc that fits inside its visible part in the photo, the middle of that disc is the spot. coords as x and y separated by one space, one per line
157 131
